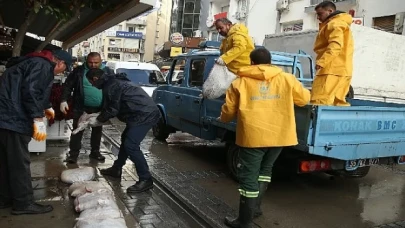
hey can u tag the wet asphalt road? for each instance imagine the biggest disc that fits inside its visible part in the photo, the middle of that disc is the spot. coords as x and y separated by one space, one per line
314 200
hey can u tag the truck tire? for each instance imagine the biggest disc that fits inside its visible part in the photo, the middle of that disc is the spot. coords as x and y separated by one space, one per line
350 94
160 130
232 159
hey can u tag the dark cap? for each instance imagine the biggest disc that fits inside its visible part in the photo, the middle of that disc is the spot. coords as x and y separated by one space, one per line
64 56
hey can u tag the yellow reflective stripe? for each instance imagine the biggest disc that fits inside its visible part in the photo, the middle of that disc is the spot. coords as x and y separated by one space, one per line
248 194
264 179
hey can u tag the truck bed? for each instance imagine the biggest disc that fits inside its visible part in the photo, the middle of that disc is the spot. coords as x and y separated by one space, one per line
367 129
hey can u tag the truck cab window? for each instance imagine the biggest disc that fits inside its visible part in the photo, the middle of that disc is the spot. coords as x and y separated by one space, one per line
178 69
196 72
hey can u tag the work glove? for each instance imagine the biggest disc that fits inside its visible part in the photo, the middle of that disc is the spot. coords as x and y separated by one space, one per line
220 61
93 122
64 107
50 113
39 130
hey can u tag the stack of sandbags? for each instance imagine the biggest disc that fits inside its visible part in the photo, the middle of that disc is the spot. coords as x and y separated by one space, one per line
97 205
379 63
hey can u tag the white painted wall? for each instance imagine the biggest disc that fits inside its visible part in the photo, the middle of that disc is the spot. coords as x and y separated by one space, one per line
261 19
296 12
377 8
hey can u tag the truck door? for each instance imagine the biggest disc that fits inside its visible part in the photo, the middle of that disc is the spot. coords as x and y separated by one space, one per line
191 100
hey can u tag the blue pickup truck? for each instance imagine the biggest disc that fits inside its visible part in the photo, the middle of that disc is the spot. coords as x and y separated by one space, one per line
336 140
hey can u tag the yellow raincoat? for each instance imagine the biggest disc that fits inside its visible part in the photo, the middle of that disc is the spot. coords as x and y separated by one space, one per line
334 49
236 48
263 99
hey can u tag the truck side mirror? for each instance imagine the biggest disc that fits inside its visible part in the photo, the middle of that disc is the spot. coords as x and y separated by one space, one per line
152 78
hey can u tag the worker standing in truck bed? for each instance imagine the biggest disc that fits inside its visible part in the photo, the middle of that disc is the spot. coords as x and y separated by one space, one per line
334 60
237 45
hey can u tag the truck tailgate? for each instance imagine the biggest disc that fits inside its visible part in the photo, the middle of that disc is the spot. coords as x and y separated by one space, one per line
358 132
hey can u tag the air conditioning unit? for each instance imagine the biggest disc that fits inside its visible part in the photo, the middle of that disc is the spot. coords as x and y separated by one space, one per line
240 15
282 5
399 22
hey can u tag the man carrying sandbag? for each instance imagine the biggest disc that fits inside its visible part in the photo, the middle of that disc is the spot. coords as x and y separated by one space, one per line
132 105
262 98
25 89
237 45
334 61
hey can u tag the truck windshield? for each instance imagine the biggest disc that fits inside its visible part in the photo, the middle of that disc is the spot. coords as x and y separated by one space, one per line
141 77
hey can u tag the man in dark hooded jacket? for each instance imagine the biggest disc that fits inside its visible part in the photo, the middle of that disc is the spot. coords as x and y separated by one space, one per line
86 98
25 88
132 105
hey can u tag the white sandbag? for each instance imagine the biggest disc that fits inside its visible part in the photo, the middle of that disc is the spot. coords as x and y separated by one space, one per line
82 187
80 174
102 212
83 122
218 81
101 223
101 197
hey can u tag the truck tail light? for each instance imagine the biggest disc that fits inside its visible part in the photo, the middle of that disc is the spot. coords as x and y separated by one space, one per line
401 160
314 166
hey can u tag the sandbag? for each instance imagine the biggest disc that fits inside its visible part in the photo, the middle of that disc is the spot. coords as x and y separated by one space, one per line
83 122
80 174
101 223
101 197
82 187
101 212
218 81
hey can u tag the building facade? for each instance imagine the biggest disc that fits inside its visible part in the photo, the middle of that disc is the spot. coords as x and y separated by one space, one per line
157 29
185 17
263 17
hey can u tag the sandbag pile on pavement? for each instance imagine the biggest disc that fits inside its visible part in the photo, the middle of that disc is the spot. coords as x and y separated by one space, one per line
96 204
218 81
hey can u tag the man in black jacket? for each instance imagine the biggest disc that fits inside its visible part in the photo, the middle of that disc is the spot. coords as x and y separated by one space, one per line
86 98
132 105
25 88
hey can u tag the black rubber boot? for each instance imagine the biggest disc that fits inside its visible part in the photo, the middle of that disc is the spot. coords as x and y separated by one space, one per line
97 155
246 210
32 208
112 172
72 157
262 191
141 186
6 204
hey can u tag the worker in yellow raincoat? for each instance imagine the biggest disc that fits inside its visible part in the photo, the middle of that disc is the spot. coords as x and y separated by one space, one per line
262 98
334 60
237 45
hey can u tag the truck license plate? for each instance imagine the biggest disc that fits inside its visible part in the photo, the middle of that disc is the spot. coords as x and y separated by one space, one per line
352 164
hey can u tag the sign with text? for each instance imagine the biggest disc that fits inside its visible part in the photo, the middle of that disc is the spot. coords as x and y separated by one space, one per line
176 38
131 35
358 20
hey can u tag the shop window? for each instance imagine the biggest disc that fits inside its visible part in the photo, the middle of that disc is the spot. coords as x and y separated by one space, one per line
196 72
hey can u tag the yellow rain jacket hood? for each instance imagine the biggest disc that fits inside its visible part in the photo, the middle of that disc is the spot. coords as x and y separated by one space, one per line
236 48
334 45
262 98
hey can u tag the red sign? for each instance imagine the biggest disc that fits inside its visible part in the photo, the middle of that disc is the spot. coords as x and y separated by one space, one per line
358 20
220 15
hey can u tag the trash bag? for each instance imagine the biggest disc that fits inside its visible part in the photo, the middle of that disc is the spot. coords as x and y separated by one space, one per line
70 176
101 223
101 197
101 212
82 187
218 81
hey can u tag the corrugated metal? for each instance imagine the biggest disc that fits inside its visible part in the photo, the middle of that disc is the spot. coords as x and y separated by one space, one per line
384 23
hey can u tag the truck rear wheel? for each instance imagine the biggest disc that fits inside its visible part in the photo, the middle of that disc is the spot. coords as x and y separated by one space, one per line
358 173
232 159
160 130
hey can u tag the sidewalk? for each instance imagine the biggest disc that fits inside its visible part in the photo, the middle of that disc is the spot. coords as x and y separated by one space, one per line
140 210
